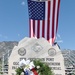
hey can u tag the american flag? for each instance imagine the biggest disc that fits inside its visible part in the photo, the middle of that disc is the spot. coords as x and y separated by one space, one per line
43 19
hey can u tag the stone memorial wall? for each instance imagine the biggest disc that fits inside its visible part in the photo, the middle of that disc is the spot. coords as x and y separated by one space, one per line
31 48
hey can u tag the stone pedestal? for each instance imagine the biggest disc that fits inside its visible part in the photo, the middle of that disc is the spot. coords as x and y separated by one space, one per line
31 48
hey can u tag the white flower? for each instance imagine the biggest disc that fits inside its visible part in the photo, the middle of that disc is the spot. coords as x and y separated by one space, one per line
38 67
27 64
22 73
31 65
22 63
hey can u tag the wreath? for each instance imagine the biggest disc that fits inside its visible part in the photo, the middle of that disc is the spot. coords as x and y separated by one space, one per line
35 67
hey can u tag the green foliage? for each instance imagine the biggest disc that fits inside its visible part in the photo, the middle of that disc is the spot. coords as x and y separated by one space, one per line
43 69
19 71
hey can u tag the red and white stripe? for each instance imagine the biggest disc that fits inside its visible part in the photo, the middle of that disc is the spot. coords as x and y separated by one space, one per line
46 28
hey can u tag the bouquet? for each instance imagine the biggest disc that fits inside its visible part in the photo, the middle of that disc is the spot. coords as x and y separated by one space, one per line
35 67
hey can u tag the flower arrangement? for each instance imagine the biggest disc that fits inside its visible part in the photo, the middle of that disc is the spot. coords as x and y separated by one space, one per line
35 67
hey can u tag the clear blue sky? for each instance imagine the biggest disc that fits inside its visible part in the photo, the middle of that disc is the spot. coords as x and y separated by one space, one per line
14 22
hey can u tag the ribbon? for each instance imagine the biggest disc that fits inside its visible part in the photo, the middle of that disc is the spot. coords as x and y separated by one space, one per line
28 72
25 73
34 71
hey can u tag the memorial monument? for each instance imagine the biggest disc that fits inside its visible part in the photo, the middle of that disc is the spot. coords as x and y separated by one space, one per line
43 24
31 48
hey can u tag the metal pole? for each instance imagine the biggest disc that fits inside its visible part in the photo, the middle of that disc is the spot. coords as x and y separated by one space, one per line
3 64
8 55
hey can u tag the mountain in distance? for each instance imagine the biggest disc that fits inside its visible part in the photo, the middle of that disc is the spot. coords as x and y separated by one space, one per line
7 45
